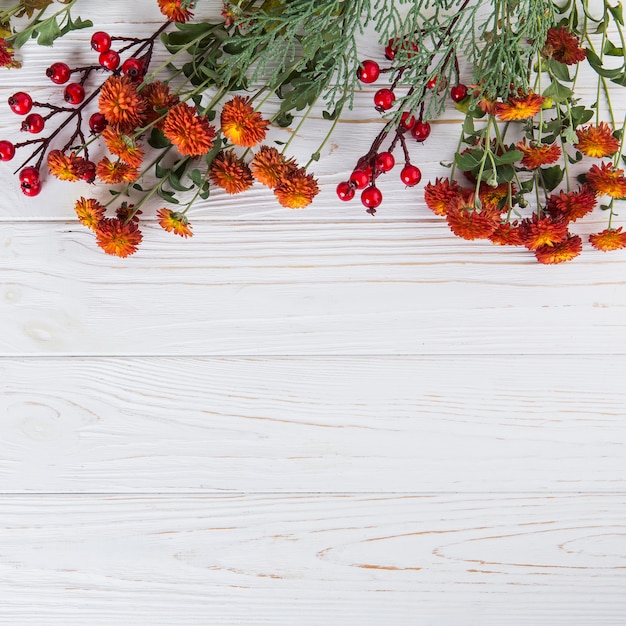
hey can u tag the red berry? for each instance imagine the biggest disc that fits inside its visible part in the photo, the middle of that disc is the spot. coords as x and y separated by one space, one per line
58 73
458 93
368 72
89 172
390 49
407 121
109 59
421 130
360 178
133 68
29 176
385 161
384 99
345 191
410 175
431 83
33 123
21 103
74 93
7 150
101 41
97 122
30 190
371 197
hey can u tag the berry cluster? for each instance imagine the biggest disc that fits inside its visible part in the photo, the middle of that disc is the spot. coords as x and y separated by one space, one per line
38 114
376 162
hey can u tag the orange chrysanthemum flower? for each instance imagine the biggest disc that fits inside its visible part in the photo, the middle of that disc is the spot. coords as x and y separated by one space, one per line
560 252
468 222
241 124
563 46
120 103
597 141
487 106
159 98
608 239
540 232
6 55
127 213
536 155
192 134
507 235
494 198
173 222
66 166
89 211
440 194
573 205
519 108
113 173
269 166
297 189
175 11
230 172
123 146
607 180
117 237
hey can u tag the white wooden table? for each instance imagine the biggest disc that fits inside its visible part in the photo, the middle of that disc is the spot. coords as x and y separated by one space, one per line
303 417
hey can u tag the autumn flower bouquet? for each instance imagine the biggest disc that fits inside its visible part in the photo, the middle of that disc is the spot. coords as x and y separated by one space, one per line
532 158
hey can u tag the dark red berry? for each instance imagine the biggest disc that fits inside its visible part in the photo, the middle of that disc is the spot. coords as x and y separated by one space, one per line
74 93
97 122
431 83
7 150
385 161
390 49
371 197
89 171
345 191
33 123
410 175
101 41
30 190
384 99
58 73
29 176
421 130
368 72
21 103
133 68
407 121
360 178
458 93
109 59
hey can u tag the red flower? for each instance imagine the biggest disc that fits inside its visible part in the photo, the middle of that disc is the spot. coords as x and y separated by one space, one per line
440 194
520 107
609 239
536 155
607 180
467 222
541 232
563 46
565 250
573 205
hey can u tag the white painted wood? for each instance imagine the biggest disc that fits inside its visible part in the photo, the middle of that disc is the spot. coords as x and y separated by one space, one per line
277 289
303 417
326 424
476 560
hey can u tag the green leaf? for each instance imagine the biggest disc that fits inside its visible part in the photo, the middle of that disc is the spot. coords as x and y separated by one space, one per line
468 125
48 32
168 196
527 186
596 64
612 50
196 176
465 162
560 70
510 156
558 92
506 174
617 12
158 139
552 176
580 115
174 182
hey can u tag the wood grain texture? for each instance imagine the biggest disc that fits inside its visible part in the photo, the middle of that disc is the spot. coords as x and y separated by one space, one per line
272 289
440 425
345 559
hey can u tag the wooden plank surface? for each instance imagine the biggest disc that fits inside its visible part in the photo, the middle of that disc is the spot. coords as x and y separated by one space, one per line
430 425
303 417
276 289
476 560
